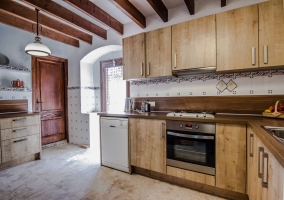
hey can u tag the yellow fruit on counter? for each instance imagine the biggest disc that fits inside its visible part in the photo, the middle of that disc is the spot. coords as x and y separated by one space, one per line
267 111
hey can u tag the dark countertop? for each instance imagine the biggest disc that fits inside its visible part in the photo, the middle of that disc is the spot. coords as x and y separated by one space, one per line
253 122
9 115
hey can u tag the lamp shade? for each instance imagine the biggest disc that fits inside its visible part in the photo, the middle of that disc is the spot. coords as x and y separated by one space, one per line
37 48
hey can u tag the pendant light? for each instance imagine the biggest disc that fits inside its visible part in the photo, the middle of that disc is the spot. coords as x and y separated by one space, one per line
37 48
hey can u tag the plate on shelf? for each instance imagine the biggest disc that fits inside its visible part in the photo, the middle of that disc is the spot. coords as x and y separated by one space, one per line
4 60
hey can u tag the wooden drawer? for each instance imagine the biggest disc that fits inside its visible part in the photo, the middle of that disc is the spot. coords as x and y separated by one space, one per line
192 176
16 122
8 134
20 147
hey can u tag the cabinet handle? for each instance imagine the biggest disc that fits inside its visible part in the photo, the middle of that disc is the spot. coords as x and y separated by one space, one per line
265 172
253 56
21 140
260 149
148 69
15 120
22 129
251 145
175 60
141 68
265 54
161 130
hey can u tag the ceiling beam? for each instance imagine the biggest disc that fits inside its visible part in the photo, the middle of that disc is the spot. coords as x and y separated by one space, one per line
64 14
223 3
160 9
131 11
26 25
30 14
91 9
190 4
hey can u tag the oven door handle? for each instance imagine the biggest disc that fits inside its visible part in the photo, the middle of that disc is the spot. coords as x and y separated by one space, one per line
201 137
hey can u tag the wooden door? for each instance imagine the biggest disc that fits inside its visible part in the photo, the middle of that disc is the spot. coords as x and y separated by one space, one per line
134 57
194 43
231 157
148 144
158 52
271 29
50 78
237 39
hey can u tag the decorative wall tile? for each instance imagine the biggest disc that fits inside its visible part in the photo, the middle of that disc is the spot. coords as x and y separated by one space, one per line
231 85
221 86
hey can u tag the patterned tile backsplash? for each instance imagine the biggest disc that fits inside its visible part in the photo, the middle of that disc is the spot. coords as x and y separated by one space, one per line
244 83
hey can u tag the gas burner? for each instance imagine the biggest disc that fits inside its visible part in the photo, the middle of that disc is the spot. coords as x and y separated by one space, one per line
192 114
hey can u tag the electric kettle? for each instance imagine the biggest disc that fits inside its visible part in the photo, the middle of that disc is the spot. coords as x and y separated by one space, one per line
128 104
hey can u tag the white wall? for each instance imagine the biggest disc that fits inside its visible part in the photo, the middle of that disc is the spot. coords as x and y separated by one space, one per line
12 44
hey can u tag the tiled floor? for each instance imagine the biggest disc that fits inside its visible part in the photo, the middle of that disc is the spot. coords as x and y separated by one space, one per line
69 172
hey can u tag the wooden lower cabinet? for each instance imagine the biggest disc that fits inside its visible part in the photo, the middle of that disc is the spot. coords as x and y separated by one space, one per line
231 157
190 175
148 144
263 168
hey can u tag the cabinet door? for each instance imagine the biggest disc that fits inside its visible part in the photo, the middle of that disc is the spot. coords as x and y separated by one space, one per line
231 157
148 145
194 43
134 57
271 29
158 52
237 39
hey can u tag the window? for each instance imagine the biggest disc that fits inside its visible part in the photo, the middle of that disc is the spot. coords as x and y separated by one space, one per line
114 88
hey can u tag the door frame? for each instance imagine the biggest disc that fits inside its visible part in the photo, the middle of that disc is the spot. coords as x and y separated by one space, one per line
35 91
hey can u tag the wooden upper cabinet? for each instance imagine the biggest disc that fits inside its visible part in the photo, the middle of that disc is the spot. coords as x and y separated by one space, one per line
134 57
271 30
237 39
194 43
158 52
231 157
147 144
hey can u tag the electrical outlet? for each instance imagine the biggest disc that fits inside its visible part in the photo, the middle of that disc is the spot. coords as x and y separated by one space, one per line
152 103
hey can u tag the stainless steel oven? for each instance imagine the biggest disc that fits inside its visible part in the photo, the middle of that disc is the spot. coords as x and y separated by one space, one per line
191 146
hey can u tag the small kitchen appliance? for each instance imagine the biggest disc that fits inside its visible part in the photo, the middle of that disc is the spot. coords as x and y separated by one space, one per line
191 146
128 104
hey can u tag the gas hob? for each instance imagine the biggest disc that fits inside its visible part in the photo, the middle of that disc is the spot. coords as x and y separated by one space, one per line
192 114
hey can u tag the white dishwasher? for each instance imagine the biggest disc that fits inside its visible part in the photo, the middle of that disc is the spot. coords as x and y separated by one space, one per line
115 143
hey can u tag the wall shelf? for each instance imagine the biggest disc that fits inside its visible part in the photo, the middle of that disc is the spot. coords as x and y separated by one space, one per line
11 89
16 69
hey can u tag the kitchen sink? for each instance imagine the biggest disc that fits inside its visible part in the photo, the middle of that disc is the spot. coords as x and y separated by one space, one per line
277 132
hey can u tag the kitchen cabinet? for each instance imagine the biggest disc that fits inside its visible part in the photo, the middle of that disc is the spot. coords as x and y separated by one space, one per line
147 144
271 29
134 57
194 43
158 52
265 177
237 39
231 157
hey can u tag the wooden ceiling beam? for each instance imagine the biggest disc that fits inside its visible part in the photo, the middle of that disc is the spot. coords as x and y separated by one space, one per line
131 11
45 21
26 25
160 9
91 9
190 4
64 14
223 3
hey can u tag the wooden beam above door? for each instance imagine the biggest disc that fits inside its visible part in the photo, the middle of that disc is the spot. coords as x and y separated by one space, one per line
30 14
64 14
160 9
223 3
190 4
24 24
91 9
131 11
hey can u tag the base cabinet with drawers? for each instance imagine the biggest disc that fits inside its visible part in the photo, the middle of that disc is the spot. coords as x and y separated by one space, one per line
20 139
265 175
